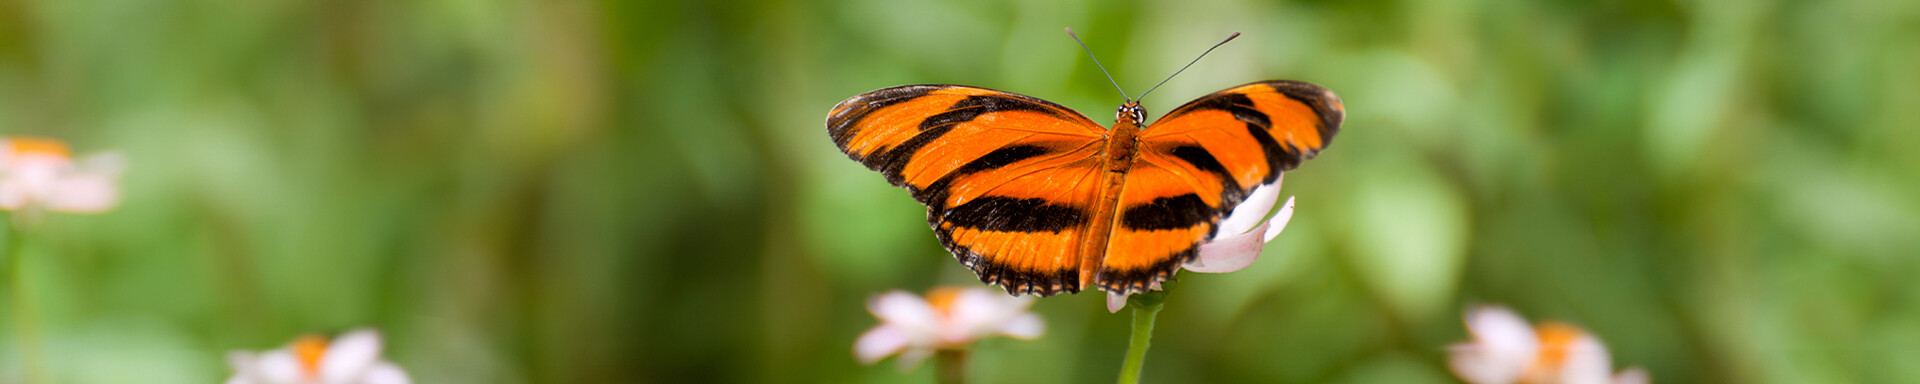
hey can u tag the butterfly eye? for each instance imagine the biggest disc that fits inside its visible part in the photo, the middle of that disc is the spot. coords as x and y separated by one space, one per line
1131 112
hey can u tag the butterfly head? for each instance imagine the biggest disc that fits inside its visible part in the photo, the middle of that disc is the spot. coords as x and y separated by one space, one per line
1130 112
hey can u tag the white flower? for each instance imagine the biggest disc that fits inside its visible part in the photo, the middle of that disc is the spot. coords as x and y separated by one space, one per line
1238 242
40 173
352 358
949 318
1506 350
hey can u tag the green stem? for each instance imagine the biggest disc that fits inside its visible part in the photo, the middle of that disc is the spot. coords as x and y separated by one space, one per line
1145 307
950 365
23 319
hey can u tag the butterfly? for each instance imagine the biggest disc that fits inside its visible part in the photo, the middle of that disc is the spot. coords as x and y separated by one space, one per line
1040 199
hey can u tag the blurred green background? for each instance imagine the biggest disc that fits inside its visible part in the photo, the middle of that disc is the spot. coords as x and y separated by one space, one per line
576 191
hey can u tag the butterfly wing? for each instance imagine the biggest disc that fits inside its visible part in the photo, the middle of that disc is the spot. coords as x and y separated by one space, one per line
1199 161
1009 181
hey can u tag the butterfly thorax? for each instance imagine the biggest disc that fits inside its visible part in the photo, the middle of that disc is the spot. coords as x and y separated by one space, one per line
1125 132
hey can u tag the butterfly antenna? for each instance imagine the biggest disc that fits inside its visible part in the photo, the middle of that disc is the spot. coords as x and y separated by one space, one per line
1189 64
1103 68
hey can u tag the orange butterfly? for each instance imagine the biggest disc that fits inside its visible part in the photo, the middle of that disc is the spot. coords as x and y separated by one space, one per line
1040 199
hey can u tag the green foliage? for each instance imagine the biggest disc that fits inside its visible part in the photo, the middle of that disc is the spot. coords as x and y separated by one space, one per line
619 191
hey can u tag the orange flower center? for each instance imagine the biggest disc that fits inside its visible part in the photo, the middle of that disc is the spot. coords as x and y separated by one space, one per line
19 146
308 350
1556 346
942 300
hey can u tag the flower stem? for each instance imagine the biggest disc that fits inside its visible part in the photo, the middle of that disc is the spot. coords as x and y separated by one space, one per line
23 319
950 365
1145 307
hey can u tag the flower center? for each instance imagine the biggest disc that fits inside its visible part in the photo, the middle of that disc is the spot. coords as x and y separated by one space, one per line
942 300
26 146
1556 345
308 350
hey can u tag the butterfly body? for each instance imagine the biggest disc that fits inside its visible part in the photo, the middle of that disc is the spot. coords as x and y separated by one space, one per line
1040 199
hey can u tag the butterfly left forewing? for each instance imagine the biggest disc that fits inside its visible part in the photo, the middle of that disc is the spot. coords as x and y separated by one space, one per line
1008 180
1200 161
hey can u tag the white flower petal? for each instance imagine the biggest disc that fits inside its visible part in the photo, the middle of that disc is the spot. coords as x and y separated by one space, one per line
109 164
279 366
1026 326
1503 347
1502 330
879 342
349 355
1254 208
385 373
1587 362
979 312
1115 301
905 310
1473 364
13 196
974 310
245 366
1228 253
912 357
84 193
1633 375
1279 221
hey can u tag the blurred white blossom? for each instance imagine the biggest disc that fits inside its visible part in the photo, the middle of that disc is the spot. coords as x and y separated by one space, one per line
1507 350
352 358
38 173
948 319
1237 244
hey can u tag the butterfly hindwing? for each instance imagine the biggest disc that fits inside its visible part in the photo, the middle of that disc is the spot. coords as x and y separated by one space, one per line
1200 161
1008 180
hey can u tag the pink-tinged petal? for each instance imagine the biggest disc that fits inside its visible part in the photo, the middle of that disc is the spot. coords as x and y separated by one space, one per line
1502 349
979 312
879 342
109 164
911 358
37 173
1228 253
279 366
241 361
89 193
1254 208
1025 326
13 196
1503 331
239 379
1473 364
385 373
1587 362
350 354
905 310
975 309
1279 221
1115 301
1633 375
245 366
